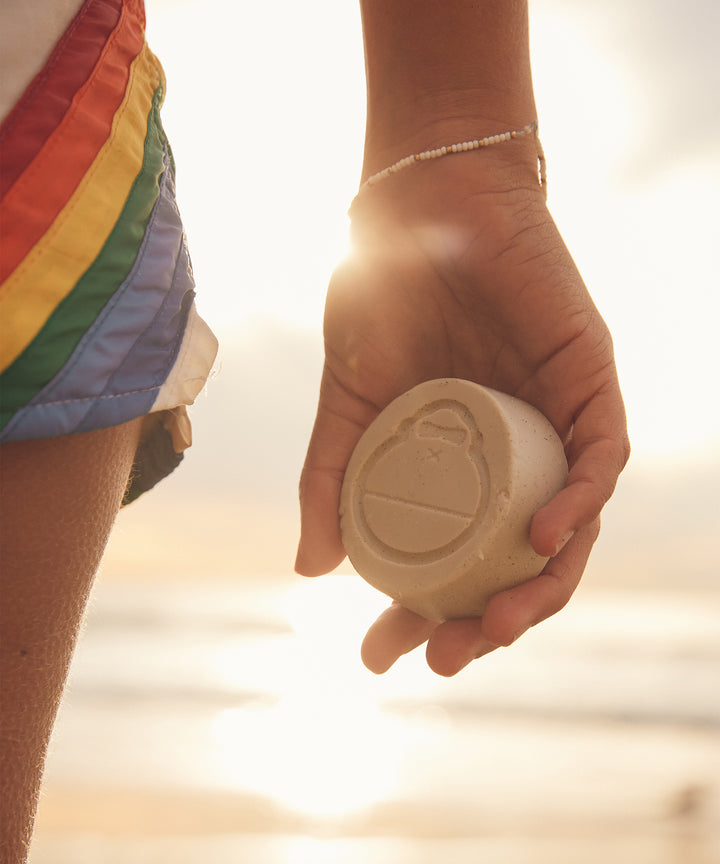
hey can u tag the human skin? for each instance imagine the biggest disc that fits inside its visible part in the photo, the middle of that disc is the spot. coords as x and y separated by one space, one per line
58 501
458 270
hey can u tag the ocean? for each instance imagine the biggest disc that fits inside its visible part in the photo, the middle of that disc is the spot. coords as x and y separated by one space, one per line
232 720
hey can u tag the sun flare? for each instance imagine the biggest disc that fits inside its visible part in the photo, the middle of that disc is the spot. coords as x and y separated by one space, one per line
324 748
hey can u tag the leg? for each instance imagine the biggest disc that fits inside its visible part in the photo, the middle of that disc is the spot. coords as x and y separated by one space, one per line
58 500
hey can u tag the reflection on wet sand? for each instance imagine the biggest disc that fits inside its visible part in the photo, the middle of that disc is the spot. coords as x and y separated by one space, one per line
235 722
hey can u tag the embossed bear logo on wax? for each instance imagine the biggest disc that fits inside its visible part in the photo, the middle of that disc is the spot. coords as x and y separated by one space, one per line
424 491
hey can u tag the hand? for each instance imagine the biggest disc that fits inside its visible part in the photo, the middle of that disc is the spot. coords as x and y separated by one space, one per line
459 271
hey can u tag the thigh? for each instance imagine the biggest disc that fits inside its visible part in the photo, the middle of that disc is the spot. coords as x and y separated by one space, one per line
58 500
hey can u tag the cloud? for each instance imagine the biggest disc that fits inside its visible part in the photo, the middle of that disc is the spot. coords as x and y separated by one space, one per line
665 55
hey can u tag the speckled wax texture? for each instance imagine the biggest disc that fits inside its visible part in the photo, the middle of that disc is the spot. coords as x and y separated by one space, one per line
440 492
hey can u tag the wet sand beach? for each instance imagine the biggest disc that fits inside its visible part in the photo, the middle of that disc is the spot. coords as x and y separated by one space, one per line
227 722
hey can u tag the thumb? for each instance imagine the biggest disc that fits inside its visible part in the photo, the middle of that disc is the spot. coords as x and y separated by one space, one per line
338 427
320 548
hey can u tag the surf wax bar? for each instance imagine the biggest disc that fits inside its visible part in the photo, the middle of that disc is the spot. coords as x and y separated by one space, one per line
440 492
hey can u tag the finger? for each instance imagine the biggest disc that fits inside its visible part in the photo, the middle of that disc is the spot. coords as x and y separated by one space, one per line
598 452
339 425
510 613
454 644
320 548
396 632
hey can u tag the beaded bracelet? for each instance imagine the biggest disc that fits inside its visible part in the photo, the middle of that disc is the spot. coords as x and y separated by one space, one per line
463 147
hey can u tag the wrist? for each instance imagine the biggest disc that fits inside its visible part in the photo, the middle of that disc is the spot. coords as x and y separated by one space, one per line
457 191
468 146
394 132
443 72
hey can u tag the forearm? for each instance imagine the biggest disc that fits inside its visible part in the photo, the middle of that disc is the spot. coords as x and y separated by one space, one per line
440 72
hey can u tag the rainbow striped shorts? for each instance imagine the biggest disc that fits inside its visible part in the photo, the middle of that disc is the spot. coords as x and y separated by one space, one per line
97 313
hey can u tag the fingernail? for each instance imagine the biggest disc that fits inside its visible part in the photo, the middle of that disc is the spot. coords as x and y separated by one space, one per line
563 541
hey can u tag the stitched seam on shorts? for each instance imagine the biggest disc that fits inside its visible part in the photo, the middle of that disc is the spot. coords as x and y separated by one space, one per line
95 398
162 376
56 140
72 205
42 76
119 294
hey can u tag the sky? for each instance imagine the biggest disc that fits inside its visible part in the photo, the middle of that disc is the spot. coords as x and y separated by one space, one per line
266 117
265 112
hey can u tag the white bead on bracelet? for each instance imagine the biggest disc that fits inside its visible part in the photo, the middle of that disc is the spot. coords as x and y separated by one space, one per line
462 147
